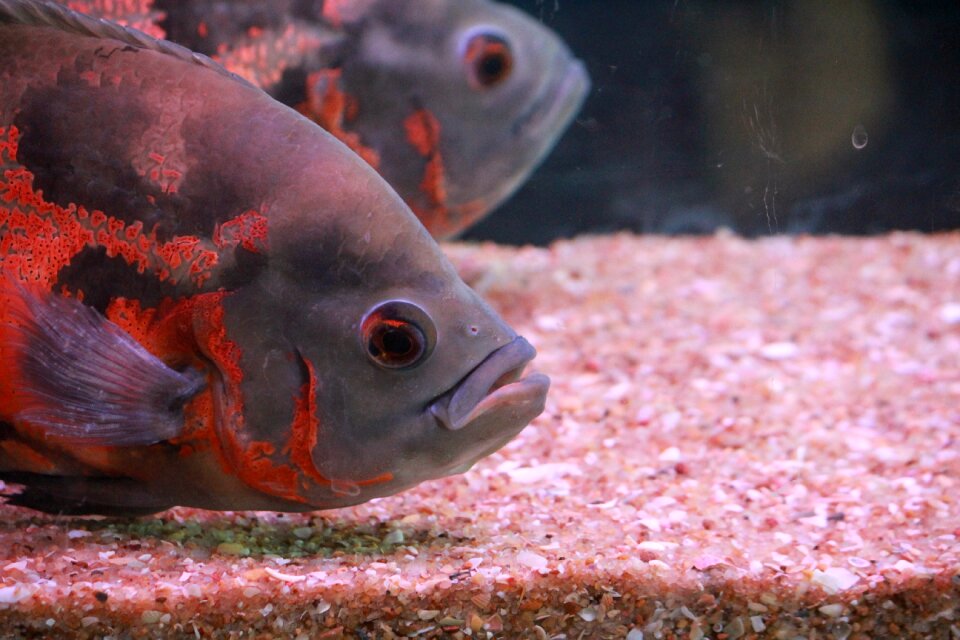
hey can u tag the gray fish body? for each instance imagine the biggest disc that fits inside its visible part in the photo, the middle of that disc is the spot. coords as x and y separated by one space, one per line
260 322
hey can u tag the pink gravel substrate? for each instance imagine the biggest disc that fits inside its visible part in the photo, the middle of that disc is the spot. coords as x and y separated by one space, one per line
744 439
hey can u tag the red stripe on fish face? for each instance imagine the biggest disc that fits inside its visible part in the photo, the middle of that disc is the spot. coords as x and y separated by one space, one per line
304 429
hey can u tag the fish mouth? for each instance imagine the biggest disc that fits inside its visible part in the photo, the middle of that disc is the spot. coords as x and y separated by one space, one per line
556 105
495 385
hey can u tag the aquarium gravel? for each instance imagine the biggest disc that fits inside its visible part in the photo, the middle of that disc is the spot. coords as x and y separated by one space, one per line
744 439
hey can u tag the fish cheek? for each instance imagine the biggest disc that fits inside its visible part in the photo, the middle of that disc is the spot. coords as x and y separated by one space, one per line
271 375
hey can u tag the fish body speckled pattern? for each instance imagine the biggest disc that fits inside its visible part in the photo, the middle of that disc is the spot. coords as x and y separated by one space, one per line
454 102
206 300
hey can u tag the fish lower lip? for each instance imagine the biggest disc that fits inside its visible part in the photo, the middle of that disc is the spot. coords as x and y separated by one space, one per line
492 382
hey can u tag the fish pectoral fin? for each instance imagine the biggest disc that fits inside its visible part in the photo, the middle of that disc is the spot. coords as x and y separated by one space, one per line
80 378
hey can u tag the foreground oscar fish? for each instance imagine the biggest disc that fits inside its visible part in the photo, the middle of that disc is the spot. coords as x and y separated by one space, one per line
207 300
454 102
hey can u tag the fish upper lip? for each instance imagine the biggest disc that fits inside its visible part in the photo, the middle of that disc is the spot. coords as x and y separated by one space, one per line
480 390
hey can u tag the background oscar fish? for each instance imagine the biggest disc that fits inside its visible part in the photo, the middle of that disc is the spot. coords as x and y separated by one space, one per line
454 102
207 300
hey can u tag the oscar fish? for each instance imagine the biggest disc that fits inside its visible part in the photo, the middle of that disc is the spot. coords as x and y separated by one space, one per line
454 102
206 300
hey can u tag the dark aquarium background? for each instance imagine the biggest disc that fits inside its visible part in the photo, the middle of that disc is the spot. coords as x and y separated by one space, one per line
762 117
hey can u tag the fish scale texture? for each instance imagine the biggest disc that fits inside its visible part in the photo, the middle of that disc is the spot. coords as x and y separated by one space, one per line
744 439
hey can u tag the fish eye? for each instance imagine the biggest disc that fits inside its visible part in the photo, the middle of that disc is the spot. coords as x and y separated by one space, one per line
397 334
488 59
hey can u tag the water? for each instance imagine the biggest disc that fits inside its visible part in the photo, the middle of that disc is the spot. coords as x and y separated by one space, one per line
702 111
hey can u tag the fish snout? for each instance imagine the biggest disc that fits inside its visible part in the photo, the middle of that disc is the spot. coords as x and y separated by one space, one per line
496 384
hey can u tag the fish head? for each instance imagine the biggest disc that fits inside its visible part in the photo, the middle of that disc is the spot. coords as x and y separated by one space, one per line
460 100
368 366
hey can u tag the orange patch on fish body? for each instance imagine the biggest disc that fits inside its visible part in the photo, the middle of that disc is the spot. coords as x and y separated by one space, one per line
423 133
330 107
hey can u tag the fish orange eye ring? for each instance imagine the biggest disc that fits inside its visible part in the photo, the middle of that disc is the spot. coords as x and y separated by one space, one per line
398 334
488 59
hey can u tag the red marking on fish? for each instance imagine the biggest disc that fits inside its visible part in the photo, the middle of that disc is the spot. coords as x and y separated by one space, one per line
263 60
423 133
138 14
304 429
27 457
52 235
331 108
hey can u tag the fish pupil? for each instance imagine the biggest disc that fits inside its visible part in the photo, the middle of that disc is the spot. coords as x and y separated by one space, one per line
397 343
492 67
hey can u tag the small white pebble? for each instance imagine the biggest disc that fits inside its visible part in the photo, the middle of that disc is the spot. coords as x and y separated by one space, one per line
635 634
151 616
779 350
589 614
756 622
73 534
904 566
541 472
651 523
670 454
950 313
394 537
831 610
835 579
618 392
549 323
283 577
15 593
654 545
87 621
532 560
782 538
